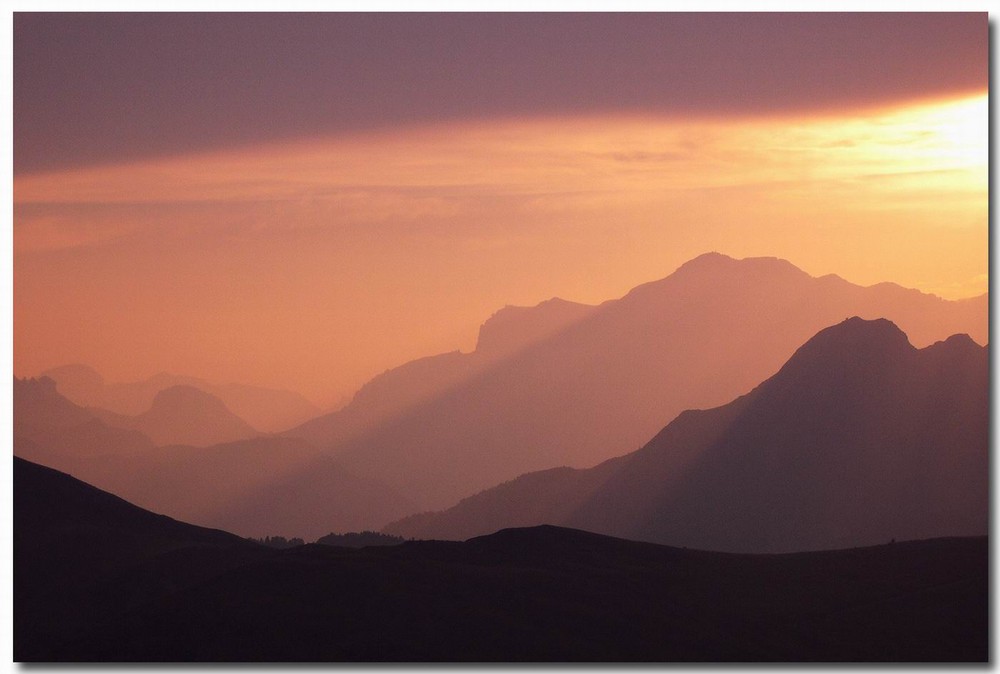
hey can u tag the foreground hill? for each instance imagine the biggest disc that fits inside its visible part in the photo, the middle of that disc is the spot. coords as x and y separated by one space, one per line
608 377
97 579
859 439
267 410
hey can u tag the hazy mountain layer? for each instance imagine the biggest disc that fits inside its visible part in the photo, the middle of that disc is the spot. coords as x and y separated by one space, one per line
859 439
609 377
257 487
184 415
400 389
267 410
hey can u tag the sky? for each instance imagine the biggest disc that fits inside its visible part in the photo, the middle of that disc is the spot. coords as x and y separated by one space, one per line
304 200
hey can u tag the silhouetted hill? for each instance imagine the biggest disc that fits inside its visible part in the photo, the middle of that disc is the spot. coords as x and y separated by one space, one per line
81 554
185 415
97 579
51 429
860 438
265 409
606 381
178 415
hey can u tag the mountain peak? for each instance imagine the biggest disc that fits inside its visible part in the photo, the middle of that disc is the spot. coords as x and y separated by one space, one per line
76 381
513 328
853 343
716 262
710 260
856 327
187 415
184 395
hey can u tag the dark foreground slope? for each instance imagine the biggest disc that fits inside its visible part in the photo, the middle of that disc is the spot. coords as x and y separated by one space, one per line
99 579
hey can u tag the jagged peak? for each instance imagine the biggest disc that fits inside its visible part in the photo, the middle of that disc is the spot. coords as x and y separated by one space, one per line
853 339
514 327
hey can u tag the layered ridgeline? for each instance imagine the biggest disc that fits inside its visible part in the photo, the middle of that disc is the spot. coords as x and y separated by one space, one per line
859 439
97 579
254 487
177 415
598 382
557 384
264 409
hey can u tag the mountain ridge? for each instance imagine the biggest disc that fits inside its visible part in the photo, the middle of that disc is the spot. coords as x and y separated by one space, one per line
877 416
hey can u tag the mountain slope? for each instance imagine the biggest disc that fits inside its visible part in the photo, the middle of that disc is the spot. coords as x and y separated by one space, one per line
51 429
402 388
603 385
97 579
860 438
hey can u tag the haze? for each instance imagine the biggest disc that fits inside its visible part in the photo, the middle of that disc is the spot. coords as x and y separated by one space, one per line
281 201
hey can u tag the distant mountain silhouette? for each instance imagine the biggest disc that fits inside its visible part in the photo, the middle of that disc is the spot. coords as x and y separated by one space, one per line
605 379
50 429
859 439
254 487
267 410
98 580
185 415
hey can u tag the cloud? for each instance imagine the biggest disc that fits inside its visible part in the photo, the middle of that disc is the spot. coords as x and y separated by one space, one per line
467 178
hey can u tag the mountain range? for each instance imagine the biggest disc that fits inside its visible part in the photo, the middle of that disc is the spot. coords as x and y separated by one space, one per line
560 384
255 487
860 438
598 382
267 410
97 579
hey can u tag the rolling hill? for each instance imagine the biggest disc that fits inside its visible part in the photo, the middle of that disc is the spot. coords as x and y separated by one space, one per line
99 580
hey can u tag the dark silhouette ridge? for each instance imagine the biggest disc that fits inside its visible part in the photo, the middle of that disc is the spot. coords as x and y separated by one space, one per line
858 439
99 580
359 539
279 542
265 409
603 384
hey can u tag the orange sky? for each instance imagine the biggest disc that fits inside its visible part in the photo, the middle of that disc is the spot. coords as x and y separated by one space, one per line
314 264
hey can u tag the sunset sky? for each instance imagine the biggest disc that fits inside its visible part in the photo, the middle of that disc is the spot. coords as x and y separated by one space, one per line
302 201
